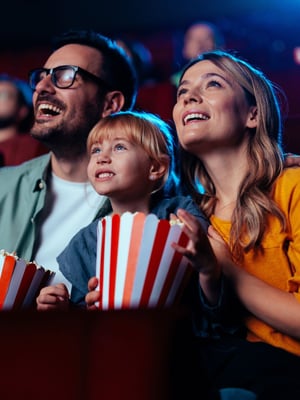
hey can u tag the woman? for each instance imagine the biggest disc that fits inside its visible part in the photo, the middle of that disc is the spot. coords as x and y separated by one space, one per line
228 121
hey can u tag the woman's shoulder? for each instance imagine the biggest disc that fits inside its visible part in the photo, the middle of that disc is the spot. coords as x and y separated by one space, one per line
290 176
287 185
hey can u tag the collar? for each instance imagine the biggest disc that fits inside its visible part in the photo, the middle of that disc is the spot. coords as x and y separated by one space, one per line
45 169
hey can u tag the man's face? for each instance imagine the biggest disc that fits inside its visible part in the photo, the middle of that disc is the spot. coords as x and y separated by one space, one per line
64 116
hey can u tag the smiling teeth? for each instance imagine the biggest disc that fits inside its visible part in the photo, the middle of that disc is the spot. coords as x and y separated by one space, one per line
49 107
105 175
195 116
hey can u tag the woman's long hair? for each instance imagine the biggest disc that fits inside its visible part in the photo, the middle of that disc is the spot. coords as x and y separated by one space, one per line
265 158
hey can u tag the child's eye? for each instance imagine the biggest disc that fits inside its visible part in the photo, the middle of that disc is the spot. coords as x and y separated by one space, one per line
120 147
95 150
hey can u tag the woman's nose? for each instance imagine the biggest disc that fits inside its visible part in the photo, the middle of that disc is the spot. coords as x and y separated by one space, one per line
193 96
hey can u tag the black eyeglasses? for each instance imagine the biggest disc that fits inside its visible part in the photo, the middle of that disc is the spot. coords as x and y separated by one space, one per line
62 77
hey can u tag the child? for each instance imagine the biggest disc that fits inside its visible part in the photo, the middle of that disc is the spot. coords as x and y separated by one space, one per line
131 162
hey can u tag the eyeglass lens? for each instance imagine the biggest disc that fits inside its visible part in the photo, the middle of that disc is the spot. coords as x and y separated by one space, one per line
62 77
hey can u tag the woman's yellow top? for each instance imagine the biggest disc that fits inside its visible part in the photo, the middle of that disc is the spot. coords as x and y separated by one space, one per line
279 263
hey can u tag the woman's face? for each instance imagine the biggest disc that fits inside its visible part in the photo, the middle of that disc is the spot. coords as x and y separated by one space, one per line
211 111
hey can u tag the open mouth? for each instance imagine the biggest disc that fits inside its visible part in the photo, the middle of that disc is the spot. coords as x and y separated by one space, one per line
195 117
103 175
48 109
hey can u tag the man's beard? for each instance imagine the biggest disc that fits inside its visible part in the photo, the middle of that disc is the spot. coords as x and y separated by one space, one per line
67 139
64 143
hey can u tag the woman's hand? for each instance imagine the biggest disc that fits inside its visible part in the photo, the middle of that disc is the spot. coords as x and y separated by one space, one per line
198 250
201 256
53 298
253 293
220 248
291 160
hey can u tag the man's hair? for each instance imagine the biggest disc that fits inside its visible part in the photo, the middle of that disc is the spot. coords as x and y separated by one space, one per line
116 68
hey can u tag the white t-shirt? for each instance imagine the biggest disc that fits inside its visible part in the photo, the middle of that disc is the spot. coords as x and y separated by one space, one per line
69 207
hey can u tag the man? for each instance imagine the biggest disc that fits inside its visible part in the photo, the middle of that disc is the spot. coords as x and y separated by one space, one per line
45 201
16 145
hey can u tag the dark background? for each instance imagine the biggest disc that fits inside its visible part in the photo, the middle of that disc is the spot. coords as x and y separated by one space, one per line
265 32
266 29
26 22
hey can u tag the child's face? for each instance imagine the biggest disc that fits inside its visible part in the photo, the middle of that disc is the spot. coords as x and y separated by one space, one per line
120 169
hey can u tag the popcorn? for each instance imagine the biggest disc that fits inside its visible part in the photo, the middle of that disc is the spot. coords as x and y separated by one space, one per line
20 281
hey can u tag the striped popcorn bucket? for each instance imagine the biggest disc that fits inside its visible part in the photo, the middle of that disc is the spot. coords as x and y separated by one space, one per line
136 264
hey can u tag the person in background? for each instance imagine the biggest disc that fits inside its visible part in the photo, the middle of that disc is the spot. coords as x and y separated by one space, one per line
228 121
199 37
16 116
45 201
142 60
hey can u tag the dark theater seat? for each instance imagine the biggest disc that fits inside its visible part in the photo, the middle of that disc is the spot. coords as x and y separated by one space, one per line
108 355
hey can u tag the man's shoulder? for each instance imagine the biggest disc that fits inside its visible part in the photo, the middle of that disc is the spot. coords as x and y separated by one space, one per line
23 177
35 166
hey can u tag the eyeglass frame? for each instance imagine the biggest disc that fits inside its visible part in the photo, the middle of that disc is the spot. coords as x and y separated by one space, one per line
75 68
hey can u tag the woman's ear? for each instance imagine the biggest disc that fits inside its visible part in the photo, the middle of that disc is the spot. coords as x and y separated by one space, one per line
113 103
252 117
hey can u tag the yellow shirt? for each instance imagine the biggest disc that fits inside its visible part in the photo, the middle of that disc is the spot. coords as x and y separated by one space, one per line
279 265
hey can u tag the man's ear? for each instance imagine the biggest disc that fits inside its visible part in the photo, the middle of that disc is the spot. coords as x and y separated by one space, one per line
252 117
113 103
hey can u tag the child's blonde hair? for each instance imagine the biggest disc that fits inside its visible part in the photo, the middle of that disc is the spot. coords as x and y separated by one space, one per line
143 129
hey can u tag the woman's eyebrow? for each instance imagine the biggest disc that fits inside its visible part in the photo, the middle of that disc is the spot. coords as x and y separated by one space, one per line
206 76
213 74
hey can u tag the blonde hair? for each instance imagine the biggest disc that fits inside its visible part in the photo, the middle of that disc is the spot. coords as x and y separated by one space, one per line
265 158
145 130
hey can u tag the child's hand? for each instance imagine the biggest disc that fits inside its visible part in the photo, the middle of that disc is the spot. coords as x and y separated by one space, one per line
53 298
93 295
